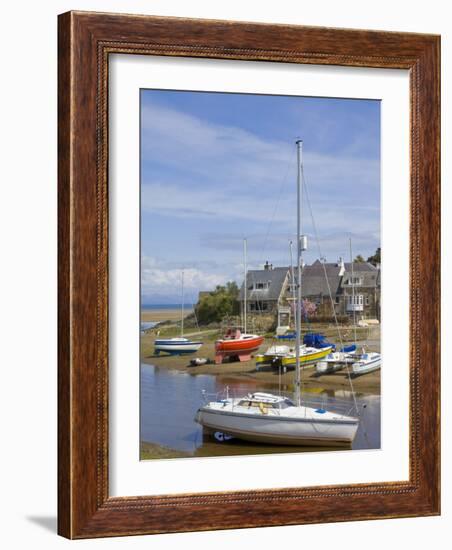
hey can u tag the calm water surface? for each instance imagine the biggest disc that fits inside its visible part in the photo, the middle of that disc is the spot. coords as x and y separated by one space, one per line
170 399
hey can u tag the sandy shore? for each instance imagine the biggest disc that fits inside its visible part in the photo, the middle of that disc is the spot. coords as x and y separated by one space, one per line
231 372
210 447
159 315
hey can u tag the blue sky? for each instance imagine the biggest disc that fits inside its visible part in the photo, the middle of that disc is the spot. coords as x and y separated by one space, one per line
217 168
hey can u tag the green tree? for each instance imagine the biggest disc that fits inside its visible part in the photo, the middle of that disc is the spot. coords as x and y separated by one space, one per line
376 258
218 304
359 259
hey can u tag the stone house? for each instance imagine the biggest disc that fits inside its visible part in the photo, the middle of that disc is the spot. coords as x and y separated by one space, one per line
266 289
354 289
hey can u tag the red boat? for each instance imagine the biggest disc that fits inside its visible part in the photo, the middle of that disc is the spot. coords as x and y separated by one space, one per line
236 345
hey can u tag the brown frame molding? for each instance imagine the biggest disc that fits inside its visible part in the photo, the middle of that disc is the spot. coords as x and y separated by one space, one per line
84 44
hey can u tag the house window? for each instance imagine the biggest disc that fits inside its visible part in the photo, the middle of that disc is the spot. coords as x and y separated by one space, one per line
337 300
258 306
356 300
261 286
354 281
367 300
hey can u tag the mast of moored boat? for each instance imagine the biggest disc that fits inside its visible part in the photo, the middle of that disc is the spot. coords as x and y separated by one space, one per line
294 286
245 269
182 308
353 290
297 399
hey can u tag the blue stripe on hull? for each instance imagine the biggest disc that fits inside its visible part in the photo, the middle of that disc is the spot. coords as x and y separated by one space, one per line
176 352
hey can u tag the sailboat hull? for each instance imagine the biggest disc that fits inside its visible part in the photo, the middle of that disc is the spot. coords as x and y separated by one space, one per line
288 360
334 362
240 348
369 365
176 346
277 430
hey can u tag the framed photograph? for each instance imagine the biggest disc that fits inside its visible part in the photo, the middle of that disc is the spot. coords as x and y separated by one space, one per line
248 275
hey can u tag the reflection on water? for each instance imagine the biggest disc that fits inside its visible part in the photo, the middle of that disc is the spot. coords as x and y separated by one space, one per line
170 399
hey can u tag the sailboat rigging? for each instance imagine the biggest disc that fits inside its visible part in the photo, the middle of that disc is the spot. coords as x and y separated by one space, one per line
236 344
275 419
337 360
177 346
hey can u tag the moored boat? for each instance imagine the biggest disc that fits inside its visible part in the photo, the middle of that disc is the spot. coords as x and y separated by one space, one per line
366 362
237 345
176 346
308 357
285 356
336 360
268 418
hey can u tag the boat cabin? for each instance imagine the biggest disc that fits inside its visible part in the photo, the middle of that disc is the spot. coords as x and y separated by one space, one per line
265 400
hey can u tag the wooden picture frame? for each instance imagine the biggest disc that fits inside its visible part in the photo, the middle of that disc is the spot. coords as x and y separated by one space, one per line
86 40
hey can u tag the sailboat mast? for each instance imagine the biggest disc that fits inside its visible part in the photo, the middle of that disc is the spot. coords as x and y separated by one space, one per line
353 290
245 269
299 143
182 308
294 286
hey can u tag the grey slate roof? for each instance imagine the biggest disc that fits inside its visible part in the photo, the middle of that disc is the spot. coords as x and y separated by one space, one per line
275 277
313 282
313 279
369 274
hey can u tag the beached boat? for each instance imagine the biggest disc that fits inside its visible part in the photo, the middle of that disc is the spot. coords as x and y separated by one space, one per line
275 419
346 356
177 346
314 347
366 362
235 344
278 356
336 360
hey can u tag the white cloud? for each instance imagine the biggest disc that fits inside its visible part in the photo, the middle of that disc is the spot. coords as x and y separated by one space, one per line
158 280
232 180
234 155
194 168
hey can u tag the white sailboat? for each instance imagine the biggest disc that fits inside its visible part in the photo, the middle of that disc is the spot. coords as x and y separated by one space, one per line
272 418
337 360
366 362
177 346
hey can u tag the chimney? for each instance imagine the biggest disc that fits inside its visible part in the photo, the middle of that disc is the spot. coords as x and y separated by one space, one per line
267 266
341 267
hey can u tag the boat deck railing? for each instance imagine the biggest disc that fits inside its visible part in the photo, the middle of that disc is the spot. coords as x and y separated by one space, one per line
322 401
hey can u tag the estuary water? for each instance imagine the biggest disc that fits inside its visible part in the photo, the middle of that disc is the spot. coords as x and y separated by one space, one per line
169 400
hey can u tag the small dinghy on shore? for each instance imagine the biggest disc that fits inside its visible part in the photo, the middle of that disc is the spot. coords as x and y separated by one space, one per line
366 362
336 360
198 361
